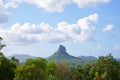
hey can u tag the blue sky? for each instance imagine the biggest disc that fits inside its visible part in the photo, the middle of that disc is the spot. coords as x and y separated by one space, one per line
38 27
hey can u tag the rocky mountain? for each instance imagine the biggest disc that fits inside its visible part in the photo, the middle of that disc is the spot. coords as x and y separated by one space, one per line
62 55
21 57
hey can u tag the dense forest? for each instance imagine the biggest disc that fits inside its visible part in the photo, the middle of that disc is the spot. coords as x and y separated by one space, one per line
105 68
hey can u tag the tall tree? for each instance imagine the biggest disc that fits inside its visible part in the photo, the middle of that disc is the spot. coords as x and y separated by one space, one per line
108 68
6 66
1 45
51 70
63 71
34 69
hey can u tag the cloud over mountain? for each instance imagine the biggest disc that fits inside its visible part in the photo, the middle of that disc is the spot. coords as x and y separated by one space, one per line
82 30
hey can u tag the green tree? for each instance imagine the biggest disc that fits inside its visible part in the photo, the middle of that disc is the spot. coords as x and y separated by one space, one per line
63 71
79 73
1 45
7 67
107 68
51 70
34 69
14 60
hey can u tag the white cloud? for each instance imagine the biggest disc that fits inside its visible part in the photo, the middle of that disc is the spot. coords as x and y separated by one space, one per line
89 3
50 5
108 28
55 5
13 3
3 13
82 30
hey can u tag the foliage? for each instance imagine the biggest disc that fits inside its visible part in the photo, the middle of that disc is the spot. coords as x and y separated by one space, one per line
108 68
1 45
63 71
7 66
34 69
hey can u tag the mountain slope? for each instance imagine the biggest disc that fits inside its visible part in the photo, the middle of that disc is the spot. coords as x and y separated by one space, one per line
62 55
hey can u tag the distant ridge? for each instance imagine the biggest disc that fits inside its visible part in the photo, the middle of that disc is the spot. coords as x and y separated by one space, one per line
21 57
88 58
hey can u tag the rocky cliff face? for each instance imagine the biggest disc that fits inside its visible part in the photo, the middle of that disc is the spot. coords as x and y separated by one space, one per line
61 49
61 54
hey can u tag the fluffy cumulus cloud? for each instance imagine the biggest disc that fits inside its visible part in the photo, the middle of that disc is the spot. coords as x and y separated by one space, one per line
108 28
89 3
3 13
50 5
55 5
82 30
12 3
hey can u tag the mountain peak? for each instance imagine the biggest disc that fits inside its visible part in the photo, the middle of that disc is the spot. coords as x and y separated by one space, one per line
61 49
